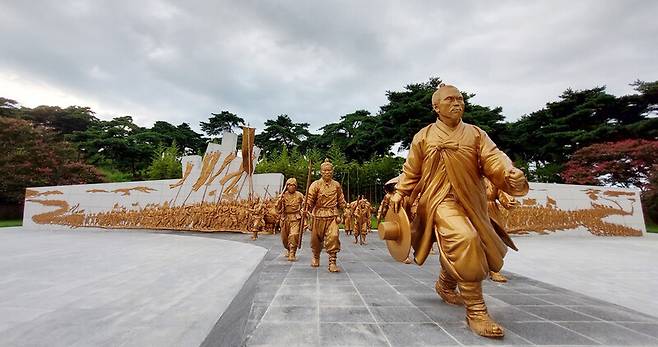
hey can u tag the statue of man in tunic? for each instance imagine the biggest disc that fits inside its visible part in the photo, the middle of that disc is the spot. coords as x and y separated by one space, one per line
325 196
290 208
444 170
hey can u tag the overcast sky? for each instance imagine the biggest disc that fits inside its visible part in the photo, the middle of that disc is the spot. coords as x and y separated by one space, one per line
314 60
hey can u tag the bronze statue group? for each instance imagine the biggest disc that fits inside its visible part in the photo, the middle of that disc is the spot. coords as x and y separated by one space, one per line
454 185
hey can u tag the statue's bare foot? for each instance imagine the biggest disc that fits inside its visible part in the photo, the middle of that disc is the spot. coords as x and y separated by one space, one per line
315 262
448 295
483 325
497 277
292 257
286 254
333 268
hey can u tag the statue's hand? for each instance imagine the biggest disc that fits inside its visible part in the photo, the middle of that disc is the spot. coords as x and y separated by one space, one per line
396 201
515 178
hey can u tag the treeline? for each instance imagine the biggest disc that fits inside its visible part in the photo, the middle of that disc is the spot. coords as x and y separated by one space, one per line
360 143
540 142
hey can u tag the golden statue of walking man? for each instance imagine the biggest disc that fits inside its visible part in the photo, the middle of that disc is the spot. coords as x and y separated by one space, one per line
325 196
290 209
444 170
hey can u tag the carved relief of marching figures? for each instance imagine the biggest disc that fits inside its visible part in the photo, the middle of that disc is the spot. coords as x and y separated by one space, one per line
290 210
325 197
257 217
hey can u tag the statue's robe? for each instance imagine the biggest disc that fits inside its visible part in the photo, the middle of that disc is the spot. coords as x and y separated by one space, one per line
496 202
444 169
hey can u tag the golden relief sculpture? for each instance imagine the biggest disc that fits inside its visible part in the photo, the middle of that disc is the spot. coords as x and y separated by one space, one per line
205 217
31 193
186 174
97 191
617 193
222 213
444 171
532 216
207 166
548 218
63 215
126 191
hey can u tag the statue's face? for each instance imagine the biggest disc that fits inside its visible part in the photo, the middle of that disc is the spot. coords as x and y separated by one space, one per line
450 105
291 188
327 173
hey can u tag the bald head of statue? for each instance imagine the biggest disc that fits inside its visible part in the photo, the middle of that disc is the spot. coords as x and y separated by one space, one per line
448 103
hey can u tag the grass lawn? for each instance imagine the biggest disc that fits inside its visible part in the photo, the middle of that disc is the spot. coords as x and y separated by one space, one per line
652 227
11 223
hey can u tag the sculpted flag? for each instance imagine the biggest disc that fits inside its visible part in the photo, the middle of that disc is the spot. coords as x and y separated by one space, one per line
248 149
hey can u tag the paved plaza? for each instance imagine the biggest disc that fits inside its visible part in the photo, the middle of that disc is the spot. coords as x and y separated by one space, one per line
133 288
82 287
621 270
376 301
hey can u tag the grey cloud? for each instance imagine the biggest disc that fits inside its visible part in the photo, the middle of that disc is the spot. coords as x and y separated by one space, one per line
316 61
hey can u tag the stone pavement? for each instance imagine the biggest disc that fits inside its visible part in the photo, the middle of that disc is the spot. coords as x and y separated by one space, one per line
621 270
376 301
91 287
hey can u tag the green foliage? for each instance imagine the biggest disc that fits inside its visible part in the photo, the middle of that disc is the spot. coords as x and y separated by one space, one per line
221 122
8 107
123 146
652 227
118 143
406 113
11 223
114 175
359 143
190 142
650 198
36 156
166 163
281 131
626 163
352 136
60 120
365 178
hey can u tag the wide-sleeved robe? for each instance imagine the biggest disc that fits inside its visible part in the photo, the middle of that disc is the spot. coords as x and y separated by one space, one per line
446 162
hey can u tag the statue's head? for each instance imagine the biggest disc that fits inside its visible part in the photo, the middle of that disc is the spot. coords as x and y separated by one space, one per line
327 170
291 185
448 103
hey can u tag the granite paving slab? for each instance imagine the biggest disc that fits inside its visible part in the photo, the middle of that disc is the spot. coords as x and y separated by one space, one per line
377 301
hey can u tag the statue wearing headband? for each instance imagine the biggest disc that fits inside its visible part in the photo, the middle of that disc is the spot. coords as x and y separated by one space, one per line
290 208
444 170
325 196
